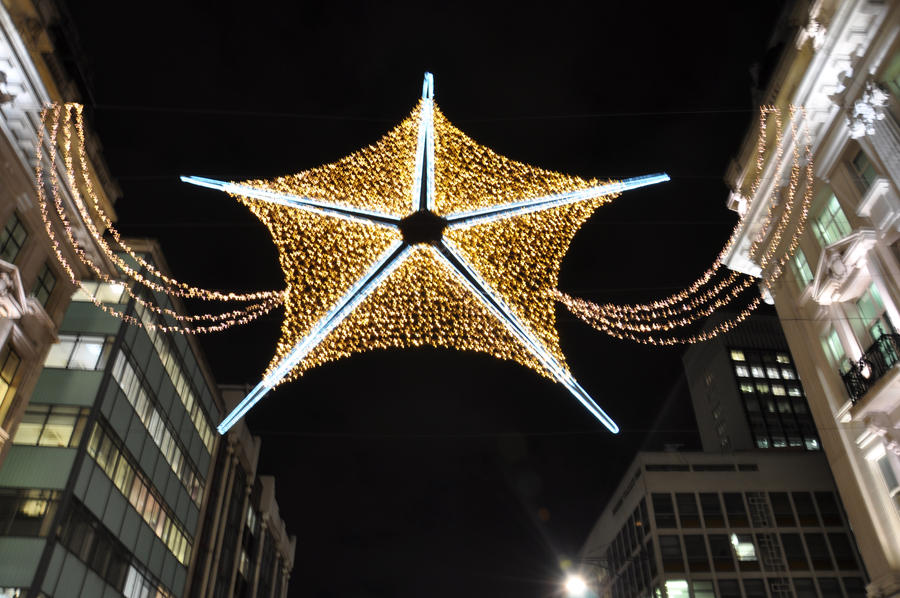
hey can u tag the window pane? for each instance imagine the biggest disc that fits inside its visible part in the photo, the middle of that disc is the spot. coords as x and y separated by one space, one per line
734 507
829 587
793 552
58 356
712 509
805 588
854 587
818 552
664 510
703 589
745 551
721 549
670 550
828 508
695 548
754 588
781 507
58 430
842 551
729 588
30 427
806 510
687 509
87 353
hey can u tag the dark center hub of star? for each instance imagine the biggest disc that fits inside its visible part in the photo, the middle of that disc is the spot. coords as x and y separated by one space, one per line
422 227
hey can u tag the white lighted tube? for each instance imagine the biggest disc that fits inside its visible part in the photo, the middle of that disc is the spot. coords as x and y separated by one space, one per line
295 201
387 263
527 206
502 312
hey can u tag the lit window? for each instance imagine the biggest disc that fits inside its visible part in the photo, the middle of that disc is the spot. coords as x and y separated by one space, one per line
12 238
794 391
802 272
743 546
742 371
871 313
788 374
757 371
831 224
778 390
833 348
677 588
772 373
103 291
737 355
864 171
43 286
882 460
762 388
82 352
9 365
783 358
745 387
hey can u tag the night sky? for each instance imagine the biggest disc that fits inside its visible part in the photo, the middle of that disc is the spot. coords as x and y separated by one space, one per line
431 472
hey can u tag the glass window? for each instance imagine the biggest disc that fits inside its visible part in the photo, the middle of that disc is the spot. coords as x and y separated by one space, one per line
772 372
703 589
712 509
27 512
729 588
675 588
802 273
871 315
737 355
831 225
734 507
781 507
863 170
806 510
793 552
757 371
788 374
742 371
687 509
9 365
842 551
818 552
805 588
829 587
670 550
81 352
104 292
12 238
695 548
834 349
720 547
745 552
43 286
754 588
56 425
854 587
664 510
828 508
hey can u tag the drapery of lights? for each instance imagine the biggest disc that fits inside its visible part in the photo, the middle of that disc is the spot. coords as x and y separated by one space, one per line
52 119
647 323
423 238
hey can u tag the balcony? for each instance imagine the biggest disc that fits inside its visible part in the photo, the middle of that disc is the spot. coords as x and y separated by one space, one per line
872 366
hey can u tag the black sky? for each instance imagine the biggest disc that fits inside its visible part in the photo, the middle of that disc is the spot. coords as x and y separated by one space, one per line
429 472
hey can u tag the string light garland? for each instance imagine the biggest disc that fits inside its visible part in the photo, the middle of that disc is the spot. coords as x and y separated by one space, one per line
422 238
52 118
650 323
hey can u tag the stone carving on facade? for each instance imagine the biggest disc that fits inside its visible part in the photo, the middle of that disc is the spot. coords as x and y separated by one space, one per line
868 109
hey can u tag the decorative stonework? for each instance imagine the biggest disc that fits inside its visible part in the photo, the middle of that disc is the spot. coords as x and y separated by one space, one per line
868 109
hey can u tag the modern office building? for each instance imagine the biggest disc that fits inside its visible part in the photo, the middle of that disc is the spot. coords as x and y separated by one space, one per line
839 297
746 392
34 291
754 524
243 549
104 485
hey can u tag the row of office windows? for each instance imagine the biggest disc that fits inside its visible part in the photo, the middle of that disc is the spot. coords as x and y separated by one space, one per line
120 467
773 399
27 512
171 363
79 352
51 425
157 426
812 509
85 537
803 587
745 549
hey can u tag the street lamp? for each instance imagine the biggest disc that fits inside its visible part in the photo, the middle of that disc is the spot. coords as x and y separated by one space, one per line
575 585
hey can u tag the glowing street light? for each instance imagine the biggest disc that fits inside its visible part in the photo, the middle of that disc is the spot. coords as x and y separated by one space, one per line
576 586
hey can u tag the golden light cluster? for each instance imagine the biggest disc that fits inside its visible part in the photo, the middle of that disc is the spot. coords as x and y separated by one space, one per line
424 301
68 117
654 322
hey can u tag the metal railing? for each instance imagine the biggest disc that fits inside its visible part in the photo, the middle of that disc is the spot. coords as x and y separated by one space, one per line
875 363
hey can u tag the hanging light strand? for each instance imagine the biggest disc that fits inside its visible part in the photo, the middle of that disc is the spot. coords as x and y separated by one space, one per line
213 322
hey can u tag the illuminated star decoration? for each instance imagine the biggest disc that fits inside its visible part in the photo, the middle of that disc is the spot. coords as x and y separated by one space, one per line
424 238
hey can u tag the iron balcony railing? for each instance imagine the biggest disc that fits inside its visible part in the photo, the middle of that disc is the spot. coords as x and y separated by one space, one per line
875 363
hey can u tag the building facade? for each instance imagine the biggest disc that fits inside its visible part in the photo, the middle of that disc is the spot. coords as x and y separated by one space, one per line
746 392
34 291
755 524
839 296
243 548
